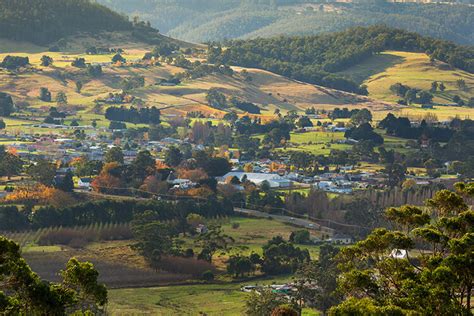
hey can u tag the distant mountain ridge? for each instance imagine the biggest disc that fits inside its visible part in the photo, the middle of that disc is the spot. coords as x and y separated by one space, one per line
216 20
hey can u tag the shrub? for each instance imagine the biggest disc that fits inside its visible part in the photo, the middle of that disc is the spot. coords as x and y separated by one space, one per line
235 225
188 253
208 275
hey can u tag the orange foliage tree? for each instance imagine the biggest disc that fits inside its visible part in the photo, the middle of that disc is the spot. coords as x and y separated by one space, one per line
106 183
40 194
195 175
153 185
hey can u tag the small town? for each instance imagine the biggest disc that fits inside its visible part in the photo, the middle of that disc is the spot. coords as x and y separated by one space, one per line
235 157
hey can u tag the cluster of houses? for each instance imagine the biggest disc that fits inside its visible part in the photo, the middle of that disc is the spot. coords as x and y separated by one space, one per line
57 148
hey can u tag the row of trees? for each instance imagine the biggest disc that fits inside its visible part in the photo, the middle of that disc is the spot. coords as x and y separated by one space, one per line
411 95
133 115
107 211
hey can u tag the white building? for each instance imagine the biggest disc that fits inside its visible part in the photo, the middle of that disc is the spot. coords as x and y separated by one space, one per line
274 180
84 183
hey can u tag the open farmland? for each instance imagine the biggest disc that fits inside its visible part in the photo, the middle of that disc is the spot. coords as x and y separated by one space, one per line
268 90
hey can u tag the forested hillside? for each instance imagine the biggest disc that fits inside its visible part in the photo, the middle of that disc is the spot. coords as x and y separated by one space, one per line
314 59
201 20
45 21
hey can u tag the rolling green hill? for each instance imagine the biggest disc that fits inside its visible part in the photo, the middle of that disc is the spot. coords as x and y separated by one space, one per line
211 20
415 70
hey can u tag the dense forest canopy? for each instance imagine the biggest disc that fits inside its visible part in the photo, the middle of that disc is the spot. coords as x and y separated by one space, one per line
201 20
314 59
45 21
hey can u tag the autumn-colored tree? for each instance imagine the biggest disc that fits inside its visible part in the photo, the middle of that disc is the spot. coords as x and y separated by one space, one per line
195 175
203 192
160 164
154 185
40 194
55 197
112 168
248 167
200 132
106 183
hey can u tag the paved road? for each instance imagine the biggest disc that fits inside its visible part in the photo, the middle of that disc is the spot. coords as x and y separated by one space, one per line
286 219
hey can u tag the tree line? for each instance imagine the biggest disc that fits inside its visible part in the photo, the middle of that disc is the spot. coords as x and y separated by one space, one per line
148 115
106 211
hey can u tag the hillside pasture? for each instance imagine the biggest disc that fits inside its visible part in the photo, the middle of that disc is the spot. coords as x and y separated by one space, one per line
412 69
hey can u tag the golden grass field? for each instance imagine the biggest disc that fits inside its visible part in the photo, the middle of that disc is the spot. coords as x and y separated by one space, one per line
268 90
417 71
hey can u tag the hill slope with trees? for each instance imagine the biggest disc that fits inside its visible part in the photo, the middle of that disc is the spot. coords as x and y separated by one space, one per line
316 59
45 21
201 21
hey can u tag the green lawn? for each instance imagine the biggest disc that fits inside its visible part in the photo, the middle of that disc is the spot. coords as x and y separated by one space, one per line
211 299
315 137
317 142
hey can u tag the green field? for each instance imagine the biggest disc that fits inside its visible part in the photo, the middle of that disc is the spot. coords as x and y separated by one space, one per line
211 299
317 142
253 233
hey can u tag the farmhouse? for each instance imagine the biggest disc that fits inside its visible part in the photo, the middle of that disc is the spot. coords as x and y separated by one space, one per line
342 240
84 183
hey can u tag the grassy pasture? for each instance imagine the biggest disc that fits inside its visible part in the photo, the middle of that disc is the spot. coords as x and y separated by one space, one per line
417 71
253 233
209 299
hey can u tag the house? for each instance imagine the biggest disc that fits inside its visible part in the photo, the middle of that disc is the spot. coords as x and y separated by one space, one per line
182 183
342 240
201 229
84 183
399 254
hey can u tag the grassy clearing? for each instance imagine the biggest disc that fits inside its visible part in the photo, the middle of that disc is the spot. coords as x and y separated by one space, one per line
211 299
253 233
317 142
223 299
417 71
316 137
413 69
